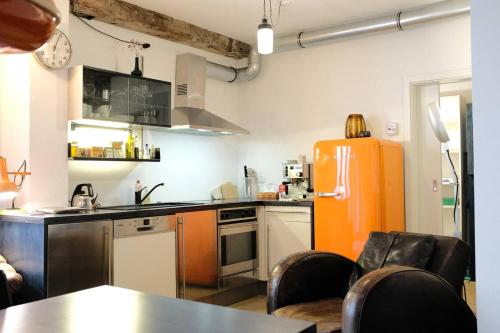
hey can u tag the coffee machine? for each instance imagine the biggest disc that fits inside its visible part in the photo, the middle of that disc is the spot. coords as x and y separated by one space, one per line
298 179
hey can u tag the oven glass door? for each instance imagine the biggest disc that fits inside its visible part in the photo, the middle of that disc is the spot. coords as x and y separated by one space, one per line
238 248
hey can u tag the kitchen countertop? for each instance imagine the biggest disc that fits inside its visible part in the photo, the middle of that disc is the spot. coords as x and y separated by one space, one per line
116 214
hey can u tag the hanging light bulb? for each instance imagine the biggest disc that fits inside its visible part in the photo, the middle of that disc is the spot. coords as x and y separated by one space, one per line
265 37
265 34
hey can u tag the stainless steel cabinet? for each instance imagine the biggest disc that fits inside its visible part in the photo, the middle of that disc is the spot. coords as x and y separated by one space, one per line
78 256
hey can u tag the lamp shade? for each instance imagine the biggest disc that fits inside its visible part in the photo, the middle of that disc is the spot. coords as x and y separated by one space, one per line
434 113
25 25
265 38
8 189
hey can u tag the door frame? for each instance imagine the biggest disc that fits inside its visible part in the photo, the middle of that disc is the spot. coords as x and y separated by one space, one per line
409 130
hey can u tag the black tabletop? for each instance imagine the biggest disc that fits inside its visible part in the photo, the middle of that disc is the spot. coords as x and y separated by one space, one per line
110 309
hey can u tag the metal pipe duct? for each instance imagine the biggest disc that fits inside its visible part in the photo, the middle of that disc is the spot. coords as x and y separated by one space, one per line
231 74
397 22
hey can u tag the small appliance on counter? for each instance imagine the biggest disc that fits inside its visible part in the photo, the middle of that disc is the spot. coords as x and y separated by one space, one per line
298 179
225 191
83 197
251 182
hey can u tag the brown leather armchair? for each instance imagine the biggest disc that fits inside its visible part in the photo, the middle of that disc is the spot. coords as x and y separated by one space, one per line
10 283
401 282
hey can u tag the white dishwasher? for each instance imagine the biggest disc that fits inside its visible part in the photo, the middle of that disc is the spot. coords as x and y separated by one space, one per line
144 255
288 232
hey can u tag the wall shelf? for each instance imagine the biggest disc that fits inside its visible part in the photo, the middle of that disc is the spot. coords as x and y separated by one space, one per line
110 159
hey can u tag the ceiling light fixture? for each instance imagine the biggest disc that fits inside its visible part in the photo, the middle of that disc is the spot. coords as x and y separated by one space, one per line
265 35
25 25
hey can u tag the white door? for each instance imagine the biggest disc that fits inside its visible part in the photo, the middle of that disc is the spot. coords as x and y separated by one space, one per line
424 166
288 232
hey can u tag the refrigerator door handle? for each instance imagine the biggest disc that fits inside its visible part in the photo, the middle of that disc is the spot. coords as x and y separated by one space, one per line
328 194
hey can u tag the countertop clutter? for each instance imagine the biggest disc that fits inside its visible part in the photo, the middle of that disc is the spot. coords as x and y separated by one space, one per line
126 212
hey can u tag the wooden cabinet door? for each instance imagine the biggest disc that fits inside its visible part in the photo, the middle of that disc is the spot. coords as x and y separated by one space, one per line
197 249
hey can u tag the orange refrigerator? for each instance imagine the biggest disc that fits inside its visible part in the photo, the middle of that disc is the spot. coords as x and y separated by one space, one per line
359 188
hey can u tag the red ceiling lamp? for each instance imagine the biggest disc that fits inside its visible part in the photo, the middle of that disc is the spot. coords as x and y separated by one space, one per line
25 25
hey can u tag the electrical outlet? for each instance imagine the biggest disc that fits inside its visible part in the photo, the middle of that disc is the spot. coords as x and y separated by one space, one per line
392 129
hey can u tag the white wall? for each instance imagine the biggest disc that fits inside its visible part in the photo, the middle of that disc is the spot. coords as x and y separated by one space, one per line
33 124
191 165
48 131
486 117
304 96
14 113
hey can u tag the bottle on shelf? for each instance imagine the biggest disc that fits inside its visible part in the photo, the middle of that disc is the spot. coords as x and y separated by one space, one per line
152 152
137 155
147 155
129 147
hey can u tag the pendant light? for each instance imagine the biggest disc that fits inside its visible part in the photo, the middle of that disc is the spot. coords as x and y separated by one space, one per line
265 35
25 25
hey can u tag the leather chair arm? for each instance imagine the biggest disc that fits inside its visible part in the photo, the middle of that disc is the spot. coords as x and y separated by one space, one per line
403 299
5 299
308 276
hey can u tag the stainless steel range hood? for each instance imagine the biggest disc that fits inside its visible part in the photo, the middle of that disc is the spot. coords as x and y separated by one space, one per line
189 114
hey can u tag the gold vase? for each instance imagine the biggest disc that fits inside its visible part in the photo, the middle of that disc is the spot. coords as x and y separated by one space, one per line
354 125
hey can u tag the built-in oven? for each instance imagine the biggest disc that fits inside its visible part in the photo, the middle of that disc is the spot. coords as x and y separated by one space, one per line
237 245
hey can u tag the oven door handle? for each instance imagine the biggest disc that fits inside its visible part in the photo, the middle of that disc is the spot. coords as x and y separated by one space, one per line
238 228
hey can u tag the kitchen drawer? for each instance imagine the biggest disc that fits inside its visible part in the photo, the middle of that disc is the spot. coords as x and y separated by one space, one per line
288 214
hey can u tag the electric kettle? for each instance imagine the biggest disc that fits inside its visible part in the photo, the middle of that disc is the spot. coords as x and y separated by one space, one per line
83 196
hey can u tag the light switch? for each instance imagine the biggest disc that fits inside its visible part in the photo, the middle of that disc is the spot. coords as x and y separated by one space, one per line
392 129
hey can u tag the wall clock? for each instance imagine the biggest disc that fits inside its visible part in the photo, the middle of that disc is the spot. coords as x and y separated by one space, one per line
56 53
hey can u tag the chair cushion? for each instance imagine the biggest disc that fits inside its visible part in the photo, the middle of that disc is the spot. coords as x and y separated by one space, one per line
14 279
386 249
375 251
411 250
327 314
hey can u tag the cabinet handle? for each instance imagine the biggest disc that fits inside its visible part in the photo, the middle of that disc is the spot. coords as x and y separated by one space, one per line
183 259
268 231
328 194
107 269
182 292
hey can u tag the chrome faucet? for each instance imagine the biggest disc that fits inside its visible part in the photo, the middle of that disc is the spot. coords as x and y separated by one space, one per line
138 194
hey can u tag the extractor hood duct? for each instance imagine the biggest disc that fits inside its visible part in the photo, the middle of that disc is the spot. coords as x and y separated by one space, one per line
189 114
395 22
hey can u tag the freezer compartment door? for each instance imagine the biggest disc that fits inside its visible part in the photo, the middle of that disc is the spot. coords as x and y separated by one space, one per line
347 198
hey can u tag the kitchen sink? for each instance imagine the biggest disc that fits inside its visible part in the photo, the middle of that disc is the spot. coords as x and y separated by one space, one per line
151 206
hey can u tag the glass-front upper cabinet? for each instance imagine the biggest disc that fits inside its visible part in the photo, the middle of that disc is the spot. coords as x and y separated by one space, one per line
97 94
149 102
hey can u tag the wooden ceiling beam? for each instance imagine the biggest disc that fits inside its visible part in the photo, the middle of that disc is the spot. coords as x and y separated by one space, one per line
129 16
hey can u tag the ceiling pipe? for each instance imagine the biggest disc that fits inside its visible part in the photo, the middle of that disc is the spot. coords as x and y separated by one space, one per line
398 22
231 74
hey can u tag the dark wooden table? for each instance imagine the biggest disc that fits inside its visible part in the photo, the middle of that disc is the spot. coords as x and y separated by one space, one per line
109 309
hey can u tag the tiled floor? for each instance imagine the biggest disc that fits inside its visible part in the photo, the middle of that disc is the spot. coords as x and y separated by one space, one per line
254 304
470 288
258 303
